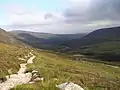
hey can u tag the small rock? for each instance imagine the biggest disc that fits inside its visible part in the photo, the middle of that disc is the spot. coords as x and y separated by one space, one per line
38 79
34 71
35 75
22 59
31 82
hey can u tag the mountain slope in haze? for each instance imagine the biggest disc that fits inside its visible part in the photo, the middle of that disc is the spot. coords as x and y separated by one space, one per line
44 40
6 37
103 42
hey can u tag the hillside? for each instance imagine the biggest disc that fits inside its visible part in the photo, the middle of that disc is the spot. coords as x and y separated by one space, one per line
102 43
10 50
6 37
44 40
58 68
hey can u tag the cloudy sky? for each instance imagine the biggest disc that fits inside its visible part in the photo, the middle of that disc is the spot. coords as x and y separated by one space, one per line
59 16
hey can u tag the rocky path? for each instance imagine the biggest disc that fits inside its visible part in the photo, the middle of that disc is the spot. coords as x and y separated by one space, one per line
31 77
20 78
30 61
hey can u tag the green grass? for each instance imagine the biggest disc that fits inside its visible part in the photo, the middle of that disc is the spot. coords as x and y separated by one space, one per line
105 47
57 69
9 55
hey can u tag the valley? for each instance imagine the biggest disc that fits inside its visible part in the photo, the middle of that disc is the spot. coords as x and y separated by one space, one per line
58 65
59 44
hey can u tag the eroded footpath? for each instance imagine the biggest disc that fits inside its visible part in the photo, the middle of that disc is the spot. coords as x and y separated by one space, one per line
20 78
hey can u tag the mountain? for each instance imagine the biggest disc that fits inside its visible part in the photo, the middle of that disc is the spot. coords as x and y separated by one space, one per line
103 43
44 40
54 67
6 37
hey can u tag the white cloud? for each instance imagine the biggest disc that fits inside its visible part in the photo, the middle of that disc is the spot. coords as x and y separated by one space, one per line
17 14
74 20
99 23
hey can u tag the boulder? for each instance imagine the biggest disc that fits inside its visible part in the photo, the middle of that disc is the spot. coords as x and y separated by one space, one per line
69 86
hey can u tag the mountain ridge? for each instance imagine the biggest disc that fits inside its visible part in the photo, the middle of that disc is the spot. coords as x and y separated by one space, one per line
44 40
6 37
102 42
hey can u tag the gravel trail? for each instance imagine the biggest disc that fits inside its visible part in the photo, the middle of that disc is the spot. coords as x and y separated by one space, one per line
20 78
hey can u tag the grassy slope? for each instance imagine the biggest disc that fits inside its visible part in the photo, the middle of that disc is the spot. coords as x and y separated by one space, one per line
102 43
109 51
91 76
9 55
6 37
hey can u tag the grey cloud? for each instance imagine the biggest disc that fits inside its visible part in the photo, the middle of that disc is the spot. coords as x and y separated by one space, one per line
106 9
98 10
48 16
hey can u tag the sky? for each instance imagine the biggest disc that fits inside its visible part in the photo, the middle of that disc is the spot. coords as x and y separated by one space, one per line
59 16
